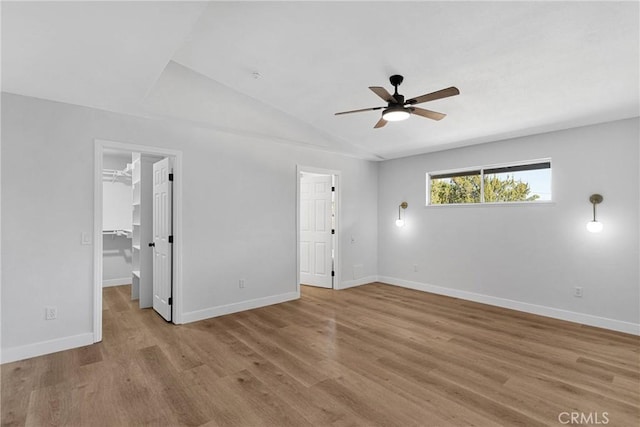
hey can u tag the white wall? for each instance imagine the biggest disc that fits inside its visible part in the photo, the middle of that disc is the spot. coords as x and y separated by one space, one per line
116 215
239 217
526 257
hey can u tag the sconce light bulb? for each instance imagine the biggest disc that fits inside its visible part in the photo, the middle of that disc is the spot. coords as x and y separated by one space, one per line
400 222
595 226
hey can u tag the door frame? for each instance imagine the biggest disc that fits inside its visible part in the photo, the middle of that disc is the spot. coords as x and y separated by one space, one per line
99 147
338 203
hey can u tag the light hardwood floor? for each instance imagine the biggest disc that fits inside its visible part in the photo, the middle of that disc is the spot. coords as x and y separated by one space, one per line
367 356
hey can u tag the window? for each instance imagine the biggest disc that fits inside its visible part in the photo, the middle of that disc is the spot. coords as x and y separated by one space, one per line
517 182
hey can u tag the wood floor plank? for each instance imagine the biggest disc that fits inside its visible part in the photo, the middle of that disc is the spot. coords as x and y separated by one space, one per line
319 409
374 355
630 386
266 317
370 413
441 410
627 372
475 399
89 354
50 405
175 392
242 400
17 385
303 371
224 407
370 390
271 409
221 352
620 413
100 396
117 300
516 367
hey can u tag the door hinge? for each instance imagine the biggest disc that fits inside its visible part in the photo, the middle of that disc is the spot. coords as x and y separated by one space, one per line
333 273
333 231
333 188
170 177
170 239
170 301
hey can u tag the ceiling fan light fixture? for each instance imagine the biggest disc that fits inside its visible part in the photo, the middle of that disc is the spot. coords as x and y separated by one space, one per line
398 108
396 114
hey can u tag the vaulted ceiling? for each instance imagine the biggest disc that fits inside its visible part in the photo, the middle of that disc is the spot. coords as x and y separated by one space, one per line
282 69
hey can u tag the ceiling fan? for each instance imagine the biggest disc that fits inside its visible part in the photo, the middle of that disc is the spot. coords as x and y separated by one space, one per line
398 109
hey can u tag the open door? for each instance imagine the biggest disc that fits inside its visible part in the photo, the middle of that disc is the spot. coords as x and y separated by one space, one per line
316 259
162 239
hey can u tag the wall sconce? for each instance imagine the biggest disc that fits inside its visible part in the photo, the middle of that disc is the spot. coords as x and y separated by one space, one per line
595 226
400 221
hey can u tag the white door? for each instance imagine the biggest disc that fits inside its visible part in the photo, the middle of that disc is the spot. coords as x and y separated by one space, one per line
161 232
315 230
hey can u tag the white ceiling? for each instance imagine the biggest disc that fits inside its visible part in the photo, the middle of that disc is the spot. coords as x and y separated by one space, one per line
521 67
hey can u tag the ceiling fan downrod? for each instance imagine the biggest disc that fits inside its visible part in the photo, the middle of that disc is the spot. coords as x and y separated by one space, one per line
396 80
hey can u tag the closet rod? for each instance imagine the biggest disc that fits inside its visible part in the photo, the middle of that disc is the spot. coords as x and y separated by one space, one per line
117 173
114 233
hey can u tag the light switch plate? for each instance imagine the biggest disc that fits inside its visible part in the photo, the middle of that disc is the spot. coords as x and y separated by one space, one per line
85 238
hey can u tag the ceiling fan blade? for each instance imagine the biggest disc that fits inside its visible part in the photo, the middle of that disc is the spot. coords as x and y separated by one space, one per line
382 93
433 115
380 123
444 93
359 111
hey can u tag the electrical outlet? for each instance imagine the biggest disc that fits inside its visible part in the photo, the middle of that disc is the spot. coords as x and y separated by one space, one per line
577 291
51 313
241 283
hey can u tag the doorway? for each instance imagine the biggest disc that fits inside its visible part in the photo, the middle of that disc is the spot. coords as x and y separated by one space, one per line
318 227
153 229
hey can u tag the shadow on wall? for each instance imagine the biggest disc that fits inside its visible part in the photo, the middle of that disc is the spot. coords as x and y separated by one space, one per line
117 247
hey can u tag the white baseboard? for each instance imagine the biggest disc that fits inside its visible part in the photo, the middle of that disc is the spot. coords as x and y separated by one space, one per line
116 282
207 313
357 282
556 313
13 354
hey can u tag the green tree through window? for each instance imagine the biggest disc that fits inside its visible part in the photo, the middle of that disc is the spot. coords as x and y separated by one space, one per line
508 189
503 184
459 189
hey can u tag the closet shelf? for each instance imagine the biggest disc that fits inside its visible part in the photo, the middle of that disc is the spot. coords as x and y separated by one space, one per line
114 174
114 233
141 220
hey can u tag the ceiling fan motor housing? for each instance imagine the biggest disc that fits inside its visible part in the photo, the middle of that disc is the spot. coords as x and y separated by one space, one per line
396 80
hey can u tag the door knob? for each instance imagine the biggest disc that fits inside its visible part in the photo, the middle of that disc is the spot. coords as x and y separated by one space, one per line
152 244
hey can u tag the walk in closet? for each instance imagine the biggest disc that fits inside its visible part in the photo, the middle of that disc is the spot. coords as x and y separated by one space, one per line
127 223
116 219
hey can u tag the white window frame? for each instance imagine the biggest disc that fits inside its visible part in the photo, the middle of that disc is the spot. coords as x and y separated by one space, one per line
482 169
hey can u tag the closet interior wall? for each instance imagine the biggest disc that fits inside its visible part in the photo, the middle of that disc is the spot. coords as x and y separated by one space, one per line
116 221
